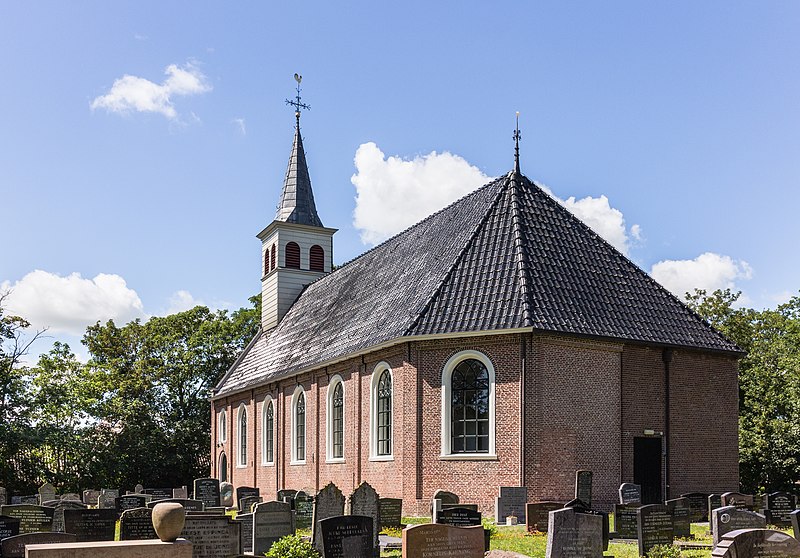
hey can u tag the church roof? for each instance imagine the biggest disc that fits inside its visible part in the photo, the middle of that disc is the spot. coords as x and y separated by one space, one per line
297 198
505 257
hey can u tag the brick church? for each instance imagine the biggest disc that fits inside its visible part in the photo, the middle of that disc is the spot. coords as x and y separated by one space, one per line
498 342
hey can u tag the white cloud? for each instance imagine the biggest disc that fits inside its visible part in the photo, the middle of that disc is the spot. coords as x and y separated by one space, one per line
132 93
605 220
240 125
181 301
707 271
69 304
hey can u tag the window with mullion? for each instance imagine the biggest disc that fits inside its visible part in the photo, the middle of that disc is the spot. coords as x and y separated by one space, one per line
385 414
469 411
242 437
269 423
338 421
300 428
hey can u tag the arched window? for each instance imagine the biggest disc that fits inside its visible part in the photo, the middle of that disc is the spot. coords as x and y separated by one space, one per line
293 255
268 432
222 472
468 405
298 426
222 426
241 436
316 258
266 261
335 419
272 257
381 413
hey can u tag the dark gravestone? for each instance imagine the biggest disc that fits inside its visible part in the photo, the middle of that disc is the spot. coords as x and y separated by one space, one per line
795 518
579 506
107 497
248 502
440 498
158 493
583 486
90 497
731 518
58 515
511 501
9 527
653 527
625 521
33 519
225 495
443 541
630 493
129 502
137 525
714 502
246 532
391 512
328 503
778 507
698 506
14 547
303 510
3 496
364 502
207 491
271 521
188 505
757 543
347 536
681 524
92 524
741 501
244 492
537 515
459 517
212 536
572 534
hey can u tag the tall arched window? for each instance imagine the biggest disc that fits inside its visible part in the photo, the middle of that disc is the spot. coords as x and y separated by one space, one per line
298 426
293 255
316 258
468 405
335 419
241 436
266 261
381 413
268 432
222 472
272 257
222 426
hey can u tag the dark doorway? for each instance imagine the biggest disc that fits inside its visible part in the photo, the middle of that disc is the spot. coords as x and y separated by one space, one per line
647 468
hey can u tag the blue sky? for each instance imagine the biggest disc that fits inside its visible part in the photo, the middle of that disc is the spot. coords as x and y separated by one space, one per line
672 128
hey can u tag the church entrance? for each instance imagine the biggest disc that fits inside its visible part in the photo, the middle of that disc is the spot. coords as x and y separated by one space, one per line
647 468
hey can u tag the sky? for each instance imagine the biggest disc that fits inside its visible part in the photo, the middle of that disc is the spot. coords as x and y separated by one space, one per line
143 144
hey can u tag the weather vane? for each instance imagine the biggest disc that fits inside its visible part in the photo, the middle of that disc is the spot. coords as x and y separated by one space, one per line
517 137
297 104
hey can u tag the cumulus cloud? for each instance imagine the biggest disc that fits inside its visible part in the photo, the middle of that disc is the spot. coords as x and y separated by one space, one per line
605 220
181 301
707 271
240 125
132 93
69 304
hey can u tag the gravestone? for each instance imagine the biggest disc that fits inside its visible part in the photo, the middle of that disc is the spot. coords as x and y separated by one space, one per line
138 489
225 495
681 524
795 518
459 517
90 497
537 515
443 541
440 498
286 493
129 502
581 507
246 532
33 519
511 501
9 527
778 507
364 502
572 534
391 512
247 503
303 510
328 503
271 521
14 547
731 518
348 536
3 496
107 498
625 521
630 493
58 515
71 496
159 493
47 492
714 502
137 525
181 493
212 536
757 543
91 524
583 486
741 501
653 527
188 505
243 492
759 503
32 500
698 506
207 491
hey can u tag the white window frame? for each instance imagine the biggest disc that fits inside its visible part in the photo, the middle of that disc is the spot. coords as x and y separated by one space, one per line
335 381
447 374
239 463
295 396
267 401
377 372
222 426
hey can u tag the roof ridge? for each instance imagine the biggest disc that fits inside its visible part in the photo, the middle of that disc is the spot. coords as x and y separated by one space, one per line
519 252
437 291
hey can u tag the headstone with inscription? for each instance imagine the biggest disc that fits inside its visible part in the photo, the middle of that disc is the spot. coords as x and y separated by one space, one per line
207 491
107 498
9 527
653 527
459 517
225 495
212 536
537 515
440 498
625 521
757 543
58 515
158 493
181 493
248 502
581 507
188 505
511 501
630 493
741 501
3 496
246 532
795 519
714 502
443 541
129 502
33 519
572 534
328 503
14 547
244 492
271 521
137 525
698 506
286 493
91 524
303 510
681 524
391 512
71 496
47 492
583 486
731 518
778 507
32 499
347 536
364 502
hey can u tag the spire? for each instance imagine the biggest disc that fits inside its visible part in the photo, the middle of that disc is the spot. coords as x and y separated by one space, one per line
517 137
297 198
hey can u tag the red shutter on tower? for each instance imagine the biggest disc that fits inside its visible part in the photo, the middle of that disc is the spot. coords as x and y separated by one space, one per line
316 258
293 255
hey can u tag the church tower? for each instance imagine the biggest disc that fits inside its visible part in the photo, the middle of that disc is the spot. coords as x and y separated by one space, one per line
296 249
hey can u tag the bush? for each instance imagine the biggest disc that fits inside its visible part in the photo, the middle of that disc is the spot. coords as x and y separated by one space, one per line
292 546
489 525
664 551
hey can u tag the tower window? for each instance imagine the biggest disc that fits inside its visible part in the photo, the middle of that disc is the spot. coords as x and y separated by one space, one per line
272 257
266 261
316 258
293 255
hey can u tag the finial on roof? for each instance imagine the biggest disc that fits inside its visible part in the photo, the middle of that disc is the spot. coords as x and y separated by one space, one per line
297 104
517 137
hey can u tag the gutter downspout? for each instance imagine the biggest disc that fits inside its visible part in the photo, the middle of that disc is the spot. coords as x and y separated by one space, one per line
522 373
666 356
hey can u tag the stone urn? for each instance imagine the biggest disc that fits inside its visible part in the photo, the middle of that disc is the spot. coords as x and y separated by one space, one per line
168 520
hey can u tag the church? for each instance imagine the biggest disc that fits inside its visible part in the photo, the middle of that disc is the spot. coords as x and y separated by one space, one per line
498 342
